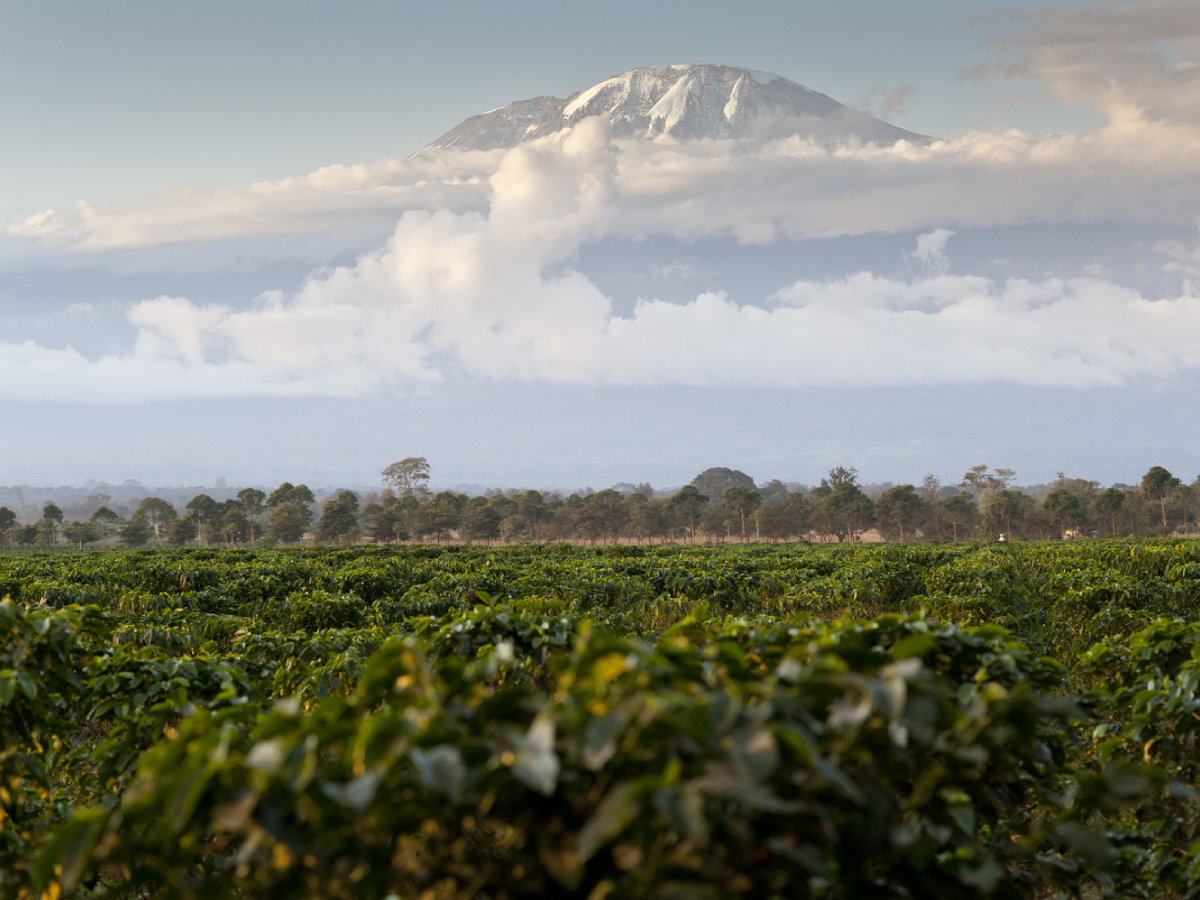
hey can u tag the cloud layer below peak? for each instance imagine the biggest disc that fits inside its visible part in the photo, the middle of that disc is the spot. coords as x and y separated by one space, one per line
494 294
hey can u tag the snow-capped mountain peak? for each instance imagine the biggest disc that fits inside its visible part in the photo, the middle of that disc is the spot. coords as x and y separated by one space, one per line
683 102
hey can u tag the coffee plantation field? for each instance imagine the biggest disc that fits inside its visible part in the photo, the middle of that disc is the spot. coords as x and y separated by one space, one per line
884 721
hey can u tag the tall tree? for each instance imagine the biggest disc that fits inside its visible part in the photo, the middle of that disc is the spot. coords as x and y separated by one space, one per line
136 532
846 510
438 516
1003 510
986 483
713 483
288 522
900 508
956 512
601 515
52 517
254 503
157 512
408 476
183 529
1107 504
339 517
781 520
532 506
8 521
80 533
105 521
234 524
929 489
207 512
291 512
741 501
1157 485
481 522
1065 510
648 520
686 504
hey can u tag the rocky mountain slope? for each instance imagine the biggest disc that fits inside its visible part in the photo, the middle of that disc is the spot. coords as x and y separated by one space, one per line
681 102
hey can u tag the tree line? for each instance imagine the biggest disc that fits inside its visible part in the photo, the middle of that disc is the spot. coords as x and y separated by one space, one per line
719 504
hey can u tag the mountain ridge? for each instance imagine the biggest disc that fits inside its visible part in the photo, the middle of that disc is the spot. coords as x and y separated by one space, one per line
682 102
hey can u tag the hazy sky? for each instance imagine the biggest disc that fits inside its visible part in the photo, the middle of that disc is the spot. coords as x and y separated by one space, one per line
218 260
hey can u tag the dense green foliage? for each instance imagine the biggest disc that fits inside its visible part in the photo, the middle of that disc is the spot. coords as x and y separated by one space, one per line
758 721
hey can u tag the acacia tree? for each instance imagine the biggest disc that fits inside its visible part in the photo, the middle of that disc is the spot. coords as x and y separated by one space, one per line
408 477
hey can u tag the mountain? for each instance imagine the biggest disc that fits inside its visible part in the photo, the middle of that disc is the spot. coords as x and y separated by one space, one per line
682 102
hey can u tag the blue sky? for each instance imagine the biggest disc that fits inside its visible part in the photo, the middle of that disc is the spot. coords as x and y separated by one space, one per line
217 261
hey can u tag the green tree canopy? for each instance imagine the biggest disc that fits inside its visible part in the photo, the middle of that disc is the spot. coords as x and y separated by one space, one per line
900 509
1065 510
80 533
713 483
52 517
845 510
1157 485
1107 504
183 529
157 512
741 501
339 517
685 505
955 514
288 522
407 477
136 532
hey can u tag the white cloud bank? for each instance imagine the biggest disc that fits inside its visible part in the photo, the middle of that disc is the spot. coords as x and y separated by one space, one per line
493 295
477 276
1134 170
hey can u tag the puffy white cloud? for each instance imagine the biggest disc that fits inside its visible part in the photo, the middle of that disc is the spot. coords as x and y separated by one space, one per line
331 198
494 295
